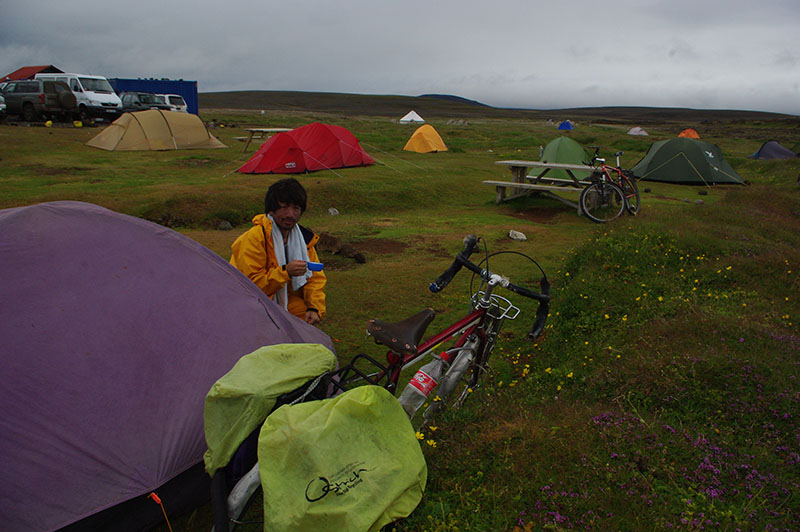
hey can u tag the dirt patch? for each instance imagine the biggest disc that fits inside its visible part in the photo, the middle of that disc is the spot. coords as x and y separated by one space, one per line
189 162
381 245
438 250
540 215
57 170
333 244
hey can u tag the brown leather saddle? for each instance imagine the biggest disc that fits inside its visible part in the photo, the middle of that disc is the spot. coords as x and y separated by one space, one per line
403 336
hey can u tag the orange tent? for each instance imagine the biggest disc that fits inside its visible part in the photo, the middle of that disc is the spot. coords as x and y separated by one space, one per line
424 140
689 134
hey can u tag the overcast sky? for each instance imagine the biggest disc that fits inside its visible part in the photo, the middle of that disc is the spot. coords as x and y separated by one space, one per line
545 54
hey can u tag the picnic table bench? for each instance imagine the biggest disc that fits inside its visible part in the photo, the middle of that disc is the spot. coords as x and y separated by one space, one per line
524 181
259 133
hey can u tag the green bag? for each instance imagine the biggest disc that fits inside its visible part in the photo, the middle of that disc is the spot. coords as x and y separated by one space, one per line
350 463
240 400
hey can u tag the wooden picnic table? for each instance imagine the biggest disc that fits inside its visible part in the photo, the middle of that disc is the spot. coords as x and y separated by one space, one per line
261 133
528 177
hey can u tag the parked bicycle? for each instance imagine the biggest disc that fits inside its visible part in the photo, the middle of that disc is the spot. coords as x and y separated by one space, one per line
446 381
612 190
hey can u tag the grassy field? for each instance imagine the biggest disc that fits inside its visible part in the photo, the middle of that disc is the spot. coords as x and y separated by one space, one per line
664 393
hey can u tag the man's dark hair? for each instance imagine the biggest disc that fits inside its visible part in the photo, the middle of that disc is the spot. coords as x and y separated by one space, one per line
285 191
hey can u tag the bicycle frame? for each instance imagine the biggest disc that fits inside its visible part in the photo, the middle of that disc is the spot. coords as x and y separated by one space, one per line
479 320
628 186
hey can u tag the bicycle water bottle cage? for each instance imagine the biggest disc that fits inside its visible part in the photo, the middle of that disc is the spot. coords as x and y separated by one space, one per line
403 336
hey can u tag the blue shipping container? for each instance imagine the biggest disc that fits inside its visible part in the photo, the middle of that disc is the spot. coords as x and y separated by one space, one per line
187 89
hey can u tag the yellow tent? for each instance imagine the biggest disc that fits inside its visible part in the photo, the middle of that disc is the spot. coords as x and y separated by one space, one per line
425 139
155 130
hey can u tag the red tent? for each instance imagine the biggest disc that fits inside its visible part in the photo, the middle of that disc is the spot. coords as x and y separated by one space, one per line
307 149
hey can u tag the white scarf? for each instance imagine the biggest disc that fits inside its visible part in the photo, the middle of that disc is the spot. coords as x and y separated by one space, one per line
296 247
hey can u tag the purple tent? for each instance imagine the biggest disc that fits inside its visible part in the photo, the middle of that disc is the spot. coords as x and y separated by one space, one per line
772 149
113 330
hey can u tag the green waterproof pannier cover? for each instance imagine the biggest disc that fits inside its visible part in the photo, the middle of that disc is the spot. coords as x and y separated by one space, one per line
350 463
240 400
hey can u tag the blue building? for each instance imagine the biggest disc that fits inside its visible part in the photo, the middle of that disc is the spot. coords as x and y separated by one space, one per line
187 89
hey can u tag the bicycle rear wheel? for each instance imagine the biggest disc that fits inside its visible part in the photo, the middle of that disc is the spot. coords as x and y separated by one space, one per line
602 201
631 191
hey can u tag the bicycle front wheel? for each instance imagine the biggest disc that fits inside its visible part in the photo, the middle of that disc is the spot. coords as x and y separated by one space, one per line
631 192
602 201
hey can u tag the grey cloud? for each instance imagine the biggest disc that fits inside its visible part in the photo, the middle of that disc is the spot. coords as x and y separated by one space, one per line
510 53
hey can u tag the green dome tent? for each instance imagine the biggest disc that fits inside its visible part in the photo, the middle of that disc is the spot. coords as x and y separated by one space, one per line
686 161
565 150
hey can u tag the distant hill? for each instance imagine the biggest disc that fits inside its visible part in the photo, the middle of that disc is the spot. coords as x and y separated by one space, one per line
452 98
448 106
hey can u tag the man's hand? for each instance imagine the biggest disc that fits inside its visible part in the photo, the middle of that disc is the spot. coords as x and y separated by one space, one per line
296 268
312 317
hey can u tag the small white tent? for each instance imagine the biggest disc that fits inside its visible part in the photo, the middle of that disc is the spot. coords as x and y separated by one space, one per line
412 117
637 131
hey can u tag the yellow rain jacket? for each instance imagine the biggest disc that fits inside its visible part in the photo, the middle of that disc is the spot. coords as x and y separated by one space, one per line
254 256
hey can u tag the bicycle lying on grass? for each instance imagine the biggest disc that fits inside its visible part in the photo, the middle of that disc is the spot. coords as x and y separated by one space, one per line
462 366
612 190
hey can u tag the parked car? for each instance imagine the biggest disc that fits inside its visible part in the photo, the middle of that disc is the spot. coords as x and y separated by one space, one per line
2 107
34 99
96 98
141 101
176 101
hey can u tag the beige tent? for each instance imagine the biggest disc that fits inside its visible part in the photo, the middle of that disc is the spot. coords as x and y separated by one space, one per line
425 139
155 130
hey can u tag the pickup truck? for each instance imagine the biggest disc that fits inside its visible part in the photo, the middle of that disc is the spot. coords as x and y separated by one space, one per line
34 99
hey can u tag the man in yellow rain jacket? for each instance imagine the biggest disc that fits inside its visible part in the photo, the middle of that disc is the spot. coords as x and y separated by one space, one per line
275 252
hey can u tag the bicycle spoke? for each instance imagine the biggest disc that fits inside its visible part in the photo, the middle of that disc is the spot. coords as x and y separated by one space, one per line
631 191
602 201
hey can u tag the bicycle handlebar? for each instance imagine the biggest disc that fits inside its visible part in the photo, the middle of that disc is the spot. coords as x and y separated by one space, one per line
462 260
595 156
444 279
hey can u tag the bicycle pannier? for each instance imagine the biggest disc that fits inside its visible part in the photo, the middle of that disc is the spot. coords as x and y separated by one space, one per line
349 463
239 401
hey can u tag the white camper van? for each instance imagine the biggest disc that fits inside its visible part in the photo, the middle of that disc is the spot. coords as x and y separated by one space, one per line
96 98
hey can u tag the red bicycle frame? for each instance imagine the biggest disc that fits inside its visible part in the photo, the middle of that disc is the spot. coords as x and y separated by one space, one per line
463 327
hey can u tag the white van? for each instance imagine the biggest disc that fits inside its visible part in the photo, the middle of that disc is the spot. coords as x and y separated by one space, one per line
96 98
176 102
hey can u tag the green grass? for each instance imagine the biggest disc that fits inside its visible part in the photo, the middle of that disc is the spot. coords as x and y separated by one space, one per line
664 392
